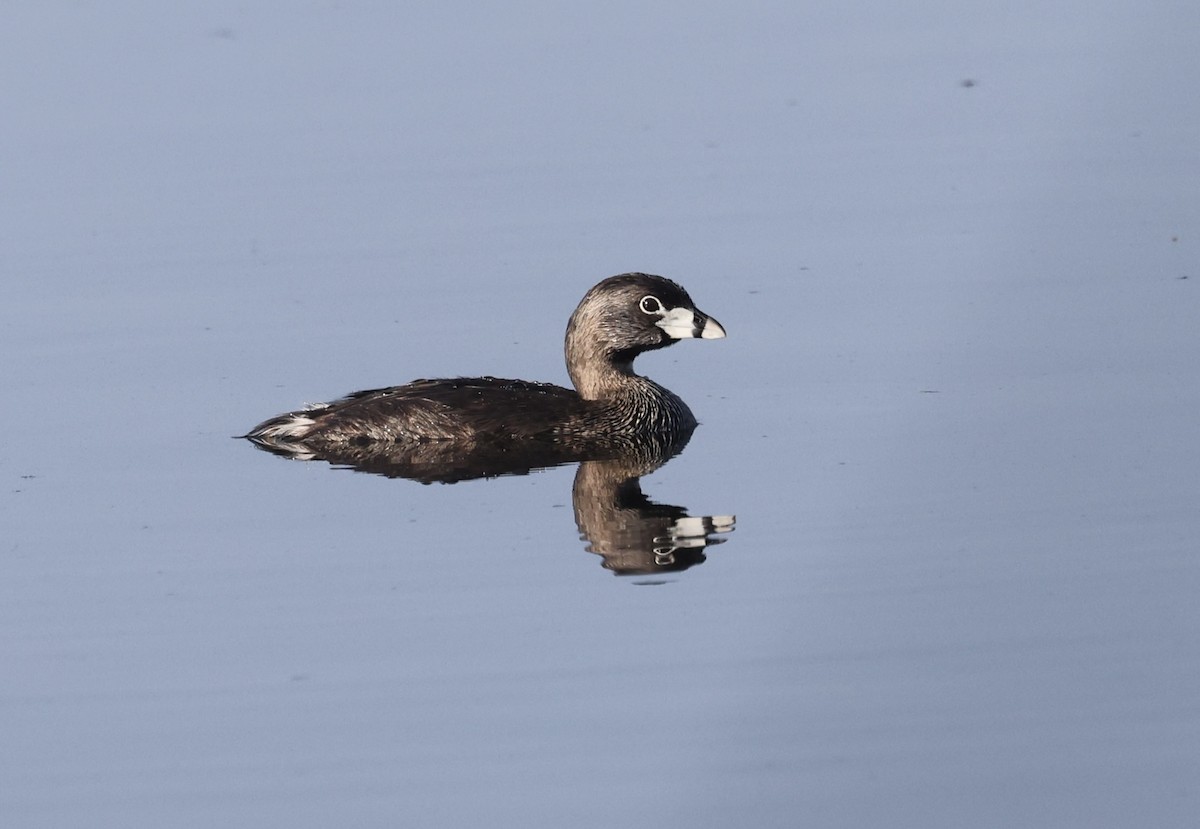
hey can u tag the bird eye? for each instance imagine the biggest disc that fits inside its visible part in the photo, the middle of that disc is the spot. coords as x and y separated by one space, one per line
651 305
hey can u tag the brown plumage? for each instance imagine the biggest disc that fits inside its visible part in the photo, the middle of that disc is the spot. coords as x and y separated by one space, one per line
617 320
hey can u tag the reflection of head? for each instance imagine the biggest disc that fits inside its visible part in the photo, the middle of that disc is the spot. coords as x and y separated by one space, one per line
634 535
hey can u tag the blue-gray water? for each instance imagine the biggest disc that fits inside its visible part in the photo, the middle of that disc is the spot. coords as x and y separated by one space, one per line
957 256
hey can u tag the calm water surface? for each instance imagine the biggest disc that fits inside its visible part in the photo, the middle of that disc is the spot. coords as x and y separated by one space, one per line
954 418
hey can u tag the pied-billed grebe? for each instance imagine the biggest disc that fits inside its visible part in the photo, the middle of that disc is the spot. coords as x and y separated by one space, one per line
616 321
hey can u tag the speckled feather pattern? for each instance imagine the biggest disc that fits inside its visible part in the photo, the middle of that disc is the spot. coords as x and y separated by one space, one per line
613 405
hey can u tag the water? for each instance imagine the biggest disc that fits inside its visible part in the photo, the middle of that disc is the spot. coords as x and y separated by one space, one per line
955 416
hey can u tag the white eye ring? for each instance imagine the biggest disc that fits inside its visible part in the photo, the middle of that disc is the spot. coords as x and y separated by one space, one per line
651 305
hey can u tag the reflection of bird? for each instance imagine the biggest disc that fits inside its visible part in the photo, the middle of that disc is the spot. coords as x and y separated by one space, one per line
634 535
434 421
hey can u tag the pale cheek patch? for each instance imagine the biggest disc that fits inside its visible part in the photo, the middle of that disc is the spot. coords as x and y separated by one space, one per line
678 323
